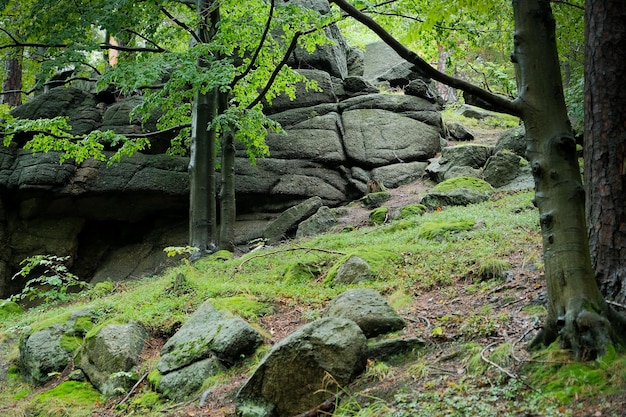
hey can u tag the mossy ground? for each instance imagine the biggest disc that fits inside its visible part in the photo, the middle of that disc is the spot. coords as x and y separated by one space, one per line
475 322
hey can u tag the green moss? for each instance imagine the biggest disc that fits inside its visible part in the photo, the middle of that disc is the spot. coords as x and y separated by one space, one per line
431 230
44 324
155 377
463 182
535 310
243 305
400 225
102 289
71 343
83 324
148 400
9 308
301 273
375 199
489 268
412 210
223 255
378 216
70 393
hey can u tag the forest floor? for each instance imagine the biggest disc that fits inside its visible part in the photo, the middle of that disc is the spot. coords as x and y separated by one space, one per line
454 365
474 361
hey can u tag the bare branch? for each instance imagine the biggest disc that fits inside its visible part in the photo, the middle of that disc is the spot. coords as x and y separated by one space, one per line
567 3
506 105
158 132
181 24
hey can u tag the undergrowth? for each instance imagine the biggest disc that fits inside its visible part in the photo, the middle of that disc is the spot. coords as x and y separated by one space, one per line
472 245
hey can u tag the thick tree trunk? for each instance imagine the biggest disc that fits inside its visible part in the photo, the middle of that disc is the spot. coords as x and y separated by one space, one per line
577 312
202 198
12 84
605 142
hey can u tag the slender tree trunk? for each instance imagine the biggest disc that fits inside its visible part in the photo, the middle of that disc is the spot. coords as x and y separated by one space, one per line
202 198
605 142
227 195
12 84
577 312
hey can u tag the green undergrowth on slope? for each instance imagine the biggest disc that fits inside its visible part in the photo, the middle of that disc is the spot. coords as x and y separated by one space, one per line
469 244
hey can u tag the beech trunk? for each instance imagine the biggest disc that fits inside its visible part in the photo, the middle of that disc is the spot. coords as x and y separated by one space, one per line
605 143
577 312
202 198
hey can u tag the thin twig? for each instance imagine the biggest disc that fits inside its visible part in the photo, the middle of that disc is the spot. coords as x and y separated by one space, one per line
613 303
132 390
495 365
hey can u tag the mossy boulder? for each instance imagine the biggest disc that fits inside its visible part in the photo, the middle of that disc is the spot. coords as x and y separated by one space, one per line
377 259
9 308
458 191
378 216
374 200
47 349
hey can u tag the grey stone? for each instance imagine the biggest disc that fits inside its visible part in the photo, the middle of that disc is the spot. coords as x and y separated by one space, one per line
368 309
322 221
358 86
109 356
304 97
356 62
387 349
471 155
514 140
396 103
353 271
502 168
294 376
77 105
459 132
423 88
180 384
208 332
457 197
462 171
375 137
395 175
289 220
473 112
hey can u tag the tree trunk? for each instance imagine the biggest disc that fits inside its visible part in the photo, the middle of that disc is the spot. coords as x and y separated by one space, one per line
12 85
605 143
227 194
202 198
577 312
228 210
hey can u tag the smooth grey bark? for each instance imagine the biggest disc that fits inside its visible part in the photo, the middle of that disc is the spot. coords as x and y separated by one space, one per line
605 143
577 312
202 198
228 210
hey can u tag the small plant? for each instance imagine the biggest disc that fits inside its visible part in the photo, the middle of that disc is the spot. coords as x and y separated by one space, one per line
52 279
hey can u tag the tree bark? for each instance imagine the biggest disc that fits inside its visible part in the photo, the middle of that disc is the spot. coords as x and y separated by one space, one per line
228 211
605 143
12 84
577 312
202 197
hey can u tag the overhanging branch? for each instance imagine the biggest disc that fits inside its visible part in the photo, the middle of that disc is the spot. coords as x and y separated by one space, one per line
506 105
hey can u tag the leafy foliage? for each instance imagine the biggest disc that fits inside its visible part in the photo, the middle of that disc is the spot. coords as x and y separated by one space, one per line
51 281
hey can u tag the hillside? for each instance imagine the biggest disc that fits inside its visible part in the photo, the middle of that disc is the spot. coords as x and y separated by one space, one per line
474 296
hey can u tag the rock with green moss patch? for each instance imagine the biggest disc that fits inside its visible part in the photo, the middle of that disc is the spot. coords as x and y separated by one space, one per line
322 221
47 350
373 200
208 341
353 271
378 216
410 210
110 354
377 259
302 369
459 191
69 394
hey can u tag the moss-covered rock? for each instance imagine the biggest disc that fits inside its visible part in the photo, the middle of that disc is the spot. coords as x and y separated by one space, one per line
378 216
458 191
9 308
373 200
471 183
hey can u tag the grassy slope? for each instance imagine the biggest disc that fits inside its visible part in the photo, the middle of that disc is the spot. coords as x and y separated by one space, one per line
473 295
